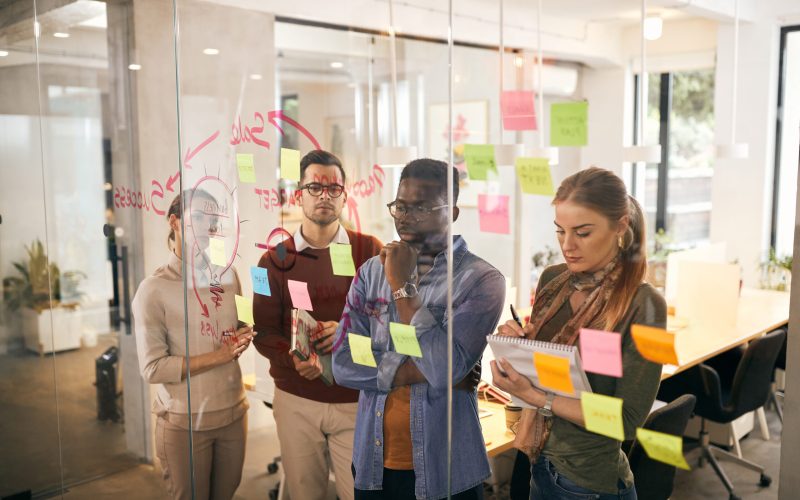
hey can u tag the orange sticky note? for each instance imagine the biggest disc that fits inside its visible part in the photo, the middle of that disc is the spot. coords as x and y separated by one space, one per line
553 372
655 344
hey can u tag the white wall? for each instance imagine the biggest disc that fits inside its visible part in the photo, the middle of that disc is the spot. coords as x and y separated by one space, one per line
742 189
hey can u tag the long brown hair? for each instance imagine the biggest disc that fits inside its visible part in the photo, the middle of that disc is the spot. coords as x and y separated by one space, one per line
604 192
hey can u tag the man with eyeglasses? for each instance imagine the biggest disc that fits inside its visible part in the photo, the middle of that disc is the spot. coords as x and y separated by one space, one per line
314 421
401 447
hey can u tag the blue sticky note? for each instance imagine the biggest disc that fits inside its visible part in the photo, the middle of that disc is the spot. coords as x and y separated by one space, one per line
260 281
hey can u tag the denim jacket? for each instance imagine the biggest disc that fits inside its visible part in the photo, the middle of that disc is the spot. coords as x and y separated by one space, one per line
478 297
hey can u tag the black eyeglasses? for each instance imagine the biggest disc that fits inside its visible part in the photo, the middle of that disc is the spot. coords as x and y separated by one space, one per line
316 189
417 212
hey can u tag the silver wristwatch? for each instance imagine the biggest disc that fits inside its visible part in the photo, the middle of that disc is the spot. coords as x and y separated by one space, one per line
406 291
547 409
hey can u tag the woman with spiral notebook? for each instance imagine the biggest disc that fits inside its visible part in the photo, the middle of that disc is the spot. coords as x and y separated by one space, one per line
601 232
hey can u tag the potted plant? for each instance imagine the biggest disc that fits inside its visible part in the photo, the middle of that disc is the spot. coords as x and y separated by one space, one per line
776 272
657 260
48 301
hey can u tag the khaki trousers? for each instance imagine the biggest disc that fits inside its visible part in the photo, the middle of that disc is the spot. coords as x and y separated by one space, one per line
217 456
309 433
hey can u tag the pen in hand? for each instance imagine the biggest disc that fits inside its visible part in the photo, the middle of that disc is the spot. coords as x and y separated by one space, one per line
515 315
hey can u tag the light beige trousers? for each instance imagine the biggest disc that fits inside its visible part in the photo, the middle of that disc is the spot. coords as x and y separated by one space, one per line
309 433
217 456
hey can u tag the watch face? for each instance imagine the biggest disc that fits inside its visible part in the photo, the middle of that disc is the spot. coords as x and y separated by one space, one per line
409 289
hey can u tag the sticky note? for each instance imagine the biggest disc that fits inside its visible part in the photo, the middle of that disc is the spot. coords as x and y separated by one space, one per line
534 176
405 339
260 281
298 290
480 160
603 415
244 309
342 260
246 167
493 215
216 250
517 107
290 164
662 447
601 352
655 344
361 350
553 372
569 123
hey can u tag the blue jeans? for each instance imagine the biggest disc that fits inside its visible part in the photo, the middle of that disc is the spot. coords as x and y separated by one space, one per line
548 484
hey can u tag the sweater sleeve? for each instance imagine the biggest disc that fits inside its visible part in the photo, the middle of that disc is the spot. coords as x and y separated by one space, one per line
156 363
273 335
640 377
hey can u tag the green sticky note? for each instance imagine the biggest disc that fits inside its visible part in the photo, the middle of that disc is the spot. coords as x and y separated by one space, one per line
662 447
244 309
361 350
480 160
405 339
290 164
216 250
342 260
603 415
247 168
569 123
534 176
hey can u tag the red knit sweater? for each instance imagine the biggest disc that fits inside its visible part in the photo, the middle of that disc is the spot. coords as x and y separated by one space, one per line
328 294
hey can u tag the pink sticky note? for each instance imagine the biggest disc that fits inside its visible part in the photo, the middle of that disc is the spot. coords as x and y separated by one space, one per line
517 107
601 352
493 213
299 292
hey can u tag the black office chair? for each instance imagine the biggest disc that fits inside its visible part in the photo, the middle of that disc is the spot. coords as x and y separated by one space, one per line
727 392
654 479
776 393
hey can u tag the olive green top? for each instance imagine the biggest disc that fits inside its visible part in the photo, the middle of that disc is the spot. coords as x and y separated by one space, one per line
590 460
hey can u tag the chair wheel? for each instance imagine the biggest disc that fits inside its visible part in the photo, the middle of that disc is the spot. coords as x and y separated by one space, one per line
273 494
765 480
734 497
272 468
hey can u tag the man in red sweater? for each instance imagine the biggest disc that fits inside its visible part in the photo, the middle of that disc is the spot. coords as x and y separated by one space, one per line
314 420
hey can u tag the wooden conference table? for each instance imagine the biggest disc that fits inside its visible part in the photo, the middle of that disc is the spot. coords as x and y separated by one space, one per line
759 312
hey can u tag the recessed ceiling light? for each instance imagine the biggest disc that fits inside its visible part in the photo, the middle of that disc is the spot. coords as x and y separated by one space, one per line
337 65
210 51
256 76
61 34
653 26
134 67
518 61
3 53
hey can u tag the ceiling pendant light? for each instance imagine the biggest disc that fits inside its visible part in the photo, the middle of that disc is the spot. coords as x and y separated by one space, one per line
394 155
542 151
734 150
640 152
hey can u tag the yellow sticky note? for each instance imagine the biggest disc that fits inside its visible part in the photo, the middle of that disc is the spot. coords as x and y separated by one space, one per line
603 415
405 339
534 176
342 260
655 344
244 309
361 350
553 372
290 164
246 167
216 249
662 447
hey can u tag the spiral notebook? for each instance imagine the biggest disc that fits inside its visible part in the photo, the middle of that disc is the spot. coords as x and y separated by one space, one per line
519 352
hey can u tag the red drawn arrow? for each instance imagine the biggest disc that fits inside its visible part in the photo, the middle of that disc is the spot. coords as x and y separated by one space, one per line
273 116
194 286
172 179
190 153
352 211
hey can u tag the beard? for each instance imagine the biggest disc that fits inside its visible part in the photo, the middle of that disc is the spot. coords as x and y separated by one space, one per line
323 217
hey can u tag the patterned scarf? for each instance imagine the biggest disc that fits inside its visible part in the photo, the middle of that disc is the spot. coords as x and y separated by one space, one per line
533 429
